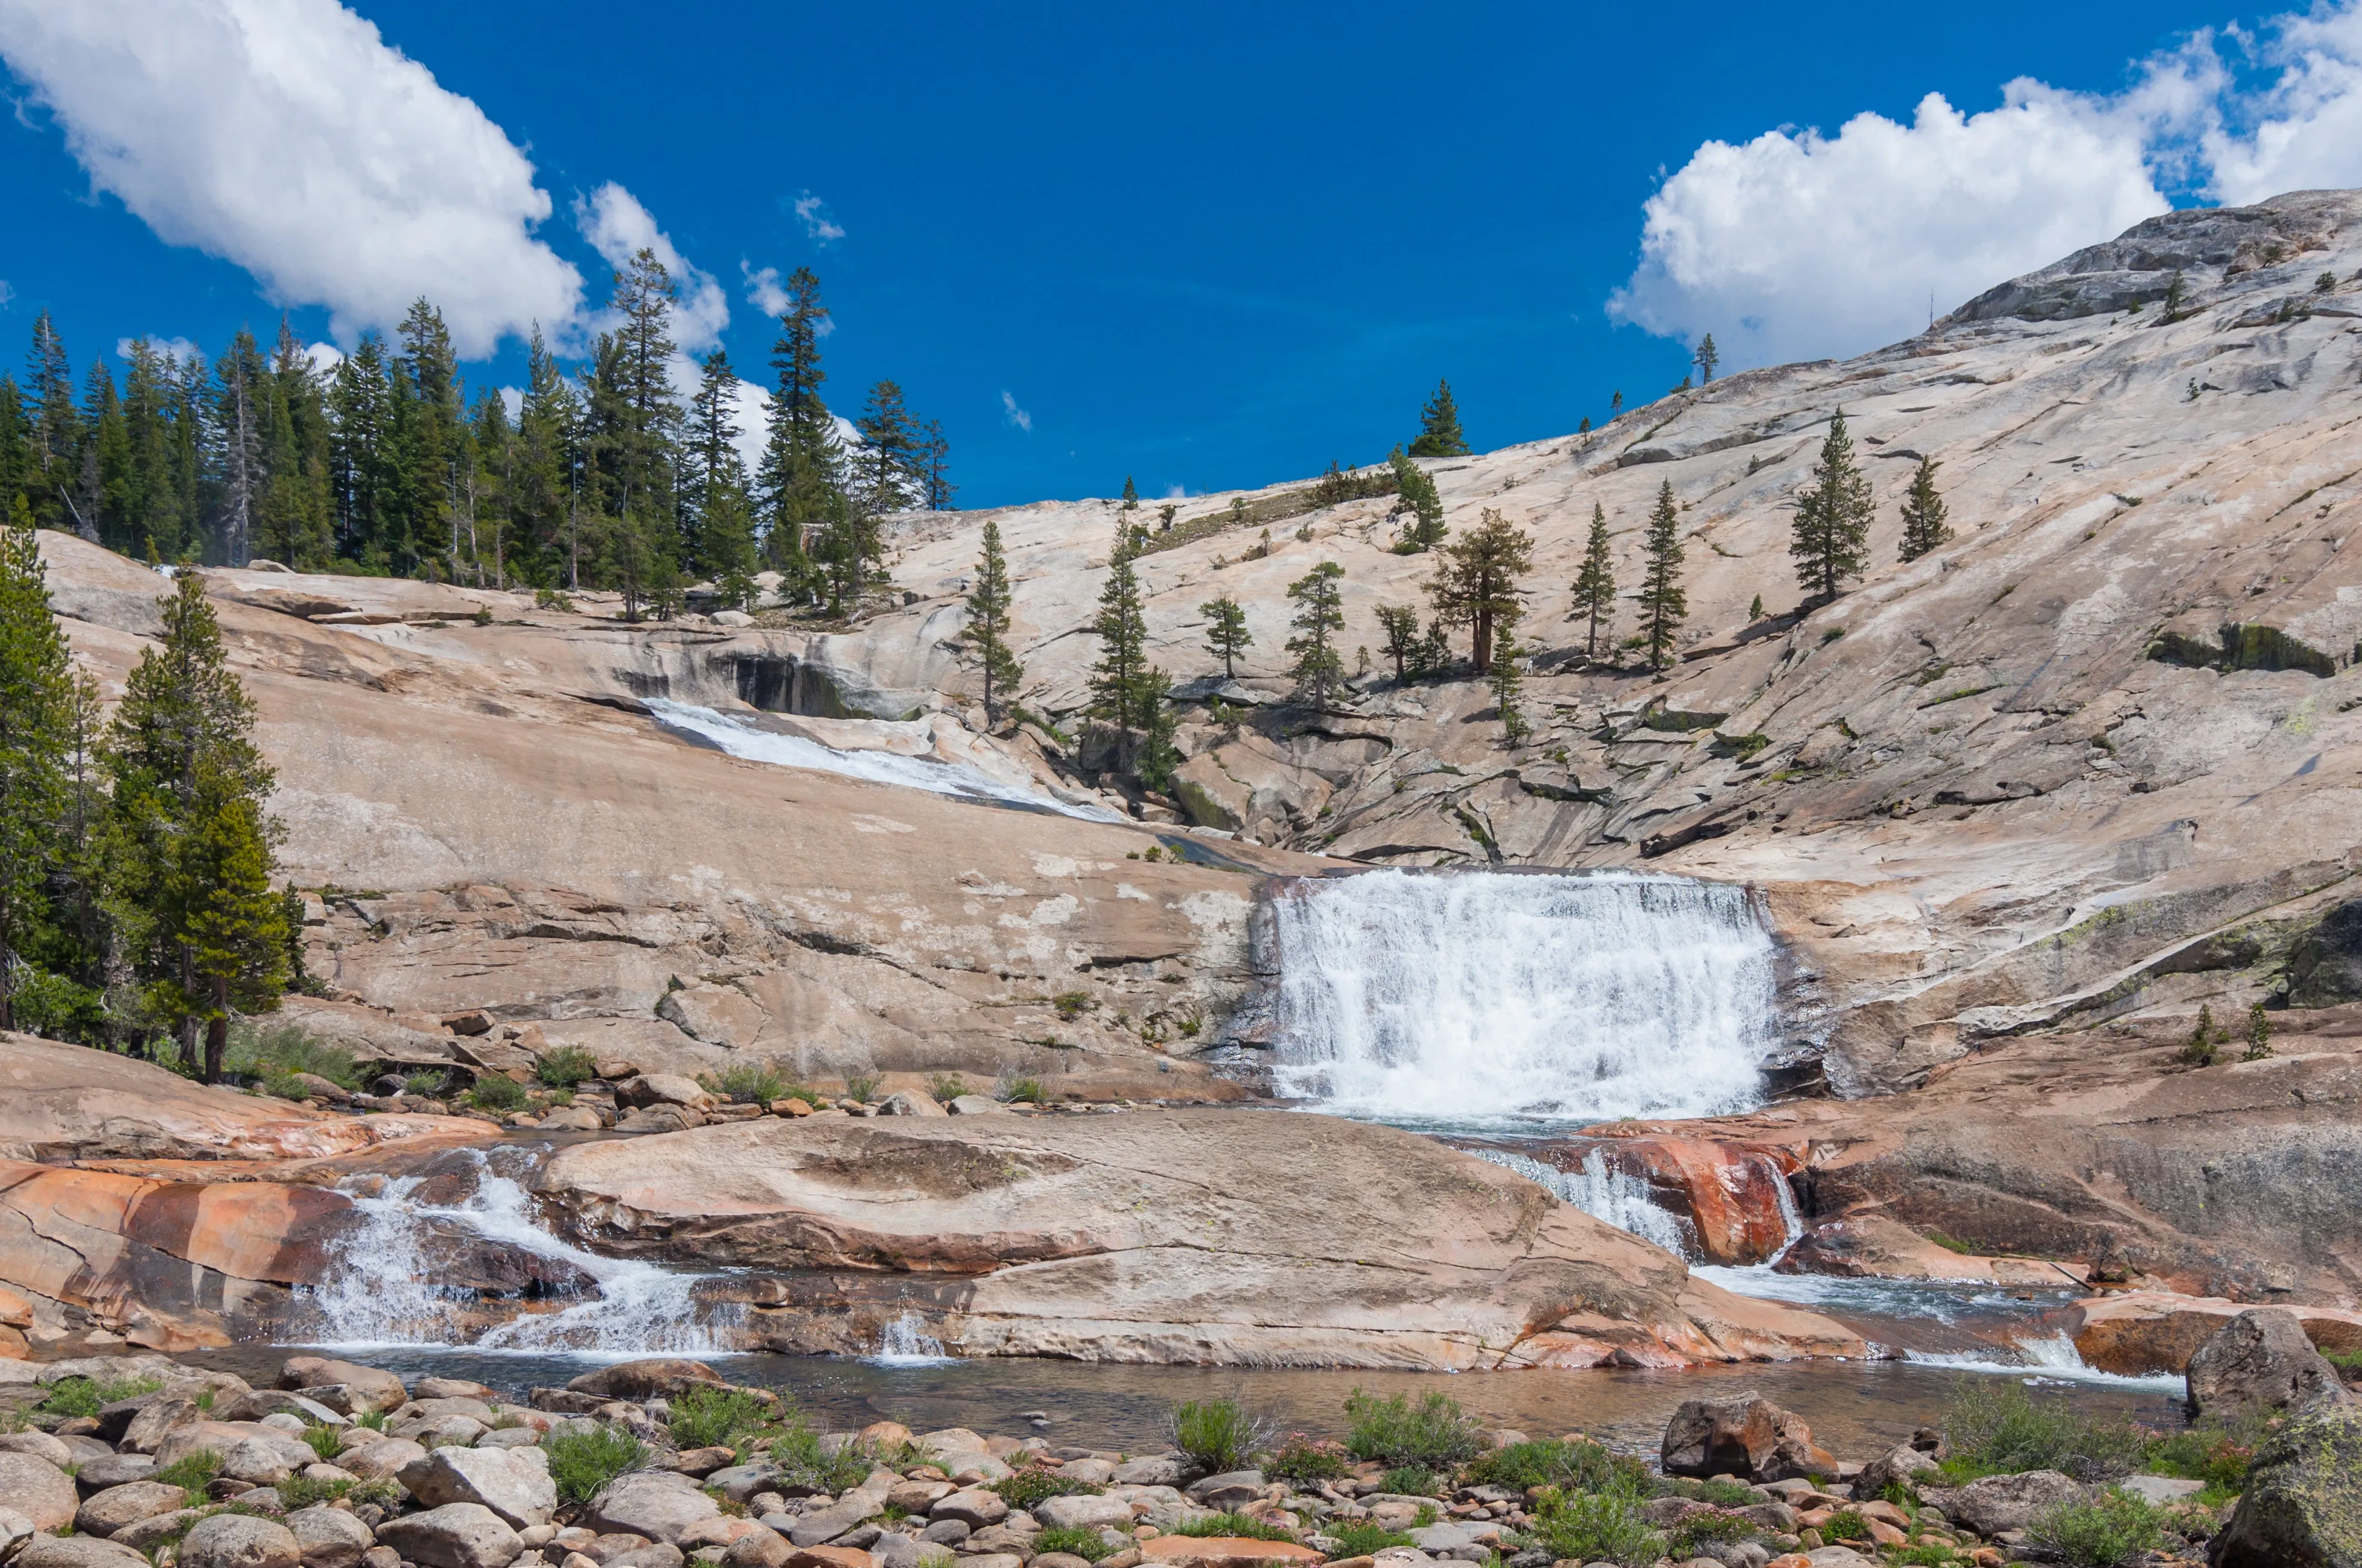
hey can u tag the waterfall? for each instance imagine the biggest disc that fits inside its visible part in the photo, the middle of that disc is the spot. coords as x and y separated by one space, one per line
378 1288
1623 1202
1485 999
905 1342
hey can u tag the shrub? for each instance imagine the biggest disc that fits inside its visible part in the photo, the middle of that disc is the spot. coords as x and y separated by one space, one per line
1927 1554
1366 1540
1996 1428
429 1084
300 1491
274 1056
1844 1525
1575 1466
1721 1494
1074 1541
373 1419
1435 1433
1243 1525
1029 1486
553 598
2215 1452
1300 1461
72 1398
1702 1529
946 1086
565 1066
497 1091
797 1451
2205 1040
2114 1528
749 1083
582 1462
192 1472
1217 1434
707 1416
1411 1481
863 1088
1013 1088
1071 1004
325 1441
1596 1526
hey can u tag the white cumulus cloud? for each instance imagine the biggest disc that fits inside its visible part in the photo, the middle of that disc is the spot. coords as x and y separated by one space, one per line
287 136
1013 414
2302 131
763 290
180 350
821 228
619 228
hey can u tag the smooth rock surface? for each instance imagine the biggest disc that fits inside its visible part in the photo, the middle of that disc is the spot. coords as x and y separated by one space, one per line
457 1535
36 1489
236 1541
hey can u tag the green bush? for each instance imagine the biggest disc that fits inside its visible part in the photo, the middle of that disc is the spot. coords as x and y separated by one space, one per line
1699 1529
1596 1526
1217 1434
1029 1486
2215 1452
1074 1541
2114 1528
863 1089
281 1051
74 1397
300 1491
582 1462
497 1091
1574 1466
1927 1554
1242 1525
325 1441
1366 1540
1302 1462
1411 1481
1016 1089
749 1083
565 1066
708 1416
1844 1525
373 1419
1436 1433
1721 1494
1996 1428
797 1453
429 1084
946 1086
192 1472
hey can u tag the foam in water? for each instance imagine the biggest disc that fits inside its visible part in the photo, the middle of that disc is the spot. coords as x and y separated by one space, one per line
379 1291
1621 1201
1477 999
955 779
903 1343
2052 1358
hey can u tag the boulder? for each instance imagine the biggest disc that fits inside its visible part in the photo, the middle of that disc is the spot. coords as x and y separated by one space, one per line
1159 1471
453 1389
39 1444
1223 1550
2005 1502
254 1405
1897 1465
457 1535
662 1089
238 1541
763 1549
2259 1361
907 1104
1083 1513
380 1461
1747 1436
329 1537
2303 1506
658 1504
154 1530
36 1489
644 1378
741 1482
973 1106
115 1470
103 1513
509 1482
76 1551
824 1524
15 1529
256 1461
344 1387
1230 1489
974 1507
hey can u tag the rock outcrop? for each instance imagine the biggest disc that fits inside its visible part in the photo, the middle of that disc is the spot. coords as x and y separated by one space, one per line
2303 1505
2260 1364
1187 1235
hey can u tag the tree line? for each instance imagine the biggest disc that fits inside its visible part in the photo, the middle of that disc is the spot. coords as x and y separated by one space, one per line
387 464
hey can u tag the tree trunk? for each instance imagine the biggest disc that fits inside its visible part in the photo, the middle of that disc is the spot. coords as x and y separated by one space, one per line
217 1030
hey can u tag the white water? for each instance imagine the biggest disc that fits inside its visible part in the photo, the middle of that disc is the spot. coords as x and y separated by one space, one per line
1621 1201
904 1343
958 780
1476 999
379 1290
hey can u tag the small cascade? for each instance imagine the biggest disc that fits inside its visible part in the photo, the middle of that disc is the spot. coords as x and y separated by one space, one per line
378 1288
905 1342
1479 999
1606 1194
1791 1217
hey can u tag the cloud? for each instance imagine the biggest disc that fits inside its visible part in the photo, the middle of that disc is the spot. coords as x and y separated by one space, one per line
286 137
178 349
2302 131
619 228
1015 416
6 293
818 226
324 357
763 290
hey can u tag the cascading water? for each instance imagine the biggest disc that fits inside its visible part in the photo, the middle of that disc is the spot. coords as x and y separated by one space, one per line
1479 999
905 1342
378 1288
1604 1194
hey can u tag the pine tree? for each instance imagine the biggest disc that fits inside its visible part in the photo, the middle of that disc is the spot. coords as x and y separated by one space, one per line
239 462
1705 359
1159 758
1477 584
1663 605
890 457
357 397
935 455
1416 491
35 709
56 432
1399 622
797 484
1594 584
1319 614
1439 427
1924 527
986 633
1130 495
1831 540
233 926
1434 650
1226 632
1121 626
1508 681
718 523
2259 1034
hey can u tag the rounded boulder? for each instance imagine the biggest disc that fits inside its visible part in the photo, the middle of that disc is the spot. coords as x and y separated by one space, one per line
239 1540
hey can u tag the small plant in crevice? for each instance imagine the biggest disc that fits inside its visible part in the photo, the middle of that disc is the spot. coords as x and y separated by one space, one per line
1238 1526
946 1087
1074 1540
581 1464
2205 1044
192 1472
2259 1034
1303 1460
750 1083
861 1088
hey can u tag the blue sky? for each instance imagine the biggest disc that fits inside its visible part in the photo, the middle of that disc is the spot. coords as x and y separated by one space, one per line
1209 246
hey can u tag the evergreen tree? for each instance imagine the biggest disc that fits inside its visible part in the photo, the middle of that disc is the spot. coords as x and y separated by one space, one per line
1399 622
718 521
1158 756
1831 534
1508 681
890 459
55 444
1226 632
1434 650
1594 584
1319 615
1130 495
545 490
1417 490
233 926
986 633
1663 605
238 464
1121 626
1439 427
1477 584
1924 514
424 433
35 710
1705 359
152 517
357 483
293 517
797 486
935 455
643 434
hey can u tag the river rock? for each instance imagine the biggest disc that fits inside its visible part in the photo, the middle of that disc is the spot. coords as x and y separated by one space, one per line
15 1529
1998 1503
145 1535
236 1541
257 1404
76 1551
974 1507
453 1389
39 1444
1746 1435
365 1388
739 1483
1083 1512
381 1460
113 1470
658 1504
645 1378
1897 1466
36 1489
258 1462
823 1524
2260 1360
662 1089
1159 1471
763 1549
1230 1489
907 1104
330 1537
103 1513
512 1483
457 1535
2303 1506
1223 1550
